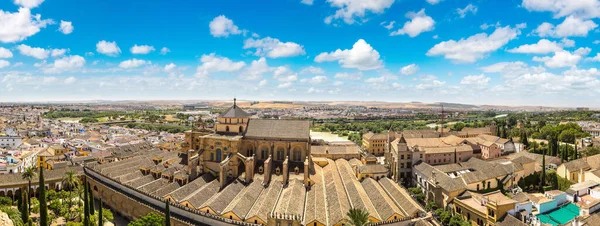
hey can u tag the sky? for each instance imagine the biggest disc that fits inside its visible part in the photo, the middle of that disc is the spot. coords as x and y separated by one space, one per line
510 52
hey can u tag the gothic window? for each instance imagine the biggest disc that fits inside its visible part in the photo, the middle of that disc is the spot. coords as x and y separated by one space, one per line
280 152
241 129
264 153
297 154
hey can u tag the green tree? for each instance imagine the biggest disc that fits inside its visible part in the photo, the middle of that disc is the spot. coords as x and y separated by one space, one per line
86 205
28 175
167 214
70 182
457 220
100 215
24 206
524 140
91 199
357 217
42 198
542 182
151 219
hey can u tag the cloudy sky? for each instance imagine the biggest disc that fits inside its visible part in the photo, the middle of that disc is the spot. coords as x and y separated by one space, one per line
514 52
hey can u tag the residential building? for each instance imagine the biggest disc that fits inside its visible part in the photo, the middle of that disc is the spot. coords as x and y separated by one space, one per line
10 141
375 144
483 209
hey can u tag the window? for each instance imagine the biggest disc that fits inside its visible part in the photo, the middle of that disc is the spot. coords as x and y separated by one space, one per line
401 156
401 165
488 185
478 187
226 128
212 156
408 165
219 155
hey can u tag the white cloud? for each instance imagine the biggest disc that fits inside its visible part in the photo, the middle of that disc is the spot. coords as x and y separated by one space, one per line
5 53
70 80
4 63
475 47
565 42
379 79
256 70
362 56
132 63
58 52
562 8
312 70
164 51
314 90
66 27
49 79
319 79
571 26
543 46
430 84
284 85
288 78
433 2
36 52
389 26
350 10
596 42
512 69
213 63
477 80
170 67
20 25
263 83
582 51
108 48
338 83
409 69
28 3
273 48
141 49
282 70
560 59
221 26
307 2
67 63
596 58
349 76
470 8
418 24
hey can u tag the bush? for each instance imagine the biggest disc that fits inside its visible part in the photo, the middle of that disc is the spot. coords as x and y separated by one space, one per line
5 201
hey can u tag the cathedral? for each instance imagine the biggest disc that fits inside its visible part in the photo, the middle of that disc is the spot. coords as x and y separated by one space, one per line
240 147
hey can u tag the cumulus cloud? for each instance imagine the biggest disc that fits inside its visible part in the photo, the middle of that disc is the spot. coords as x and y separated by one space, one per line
284 85
562 58
67 63
349 76
20 25
475 47
362 56
307 2
108 48
389 25
596 58
141 49
273 48
5 53
571 26
562 8
70 80
409 69
476 80
28 3
58 52
433 2
4 63
221 26
212 63
350 10
512 69
312 70
319 79
170 67
543 46
430 84
66 27
418 24
256 70
164 51
36 52
470 8
132 63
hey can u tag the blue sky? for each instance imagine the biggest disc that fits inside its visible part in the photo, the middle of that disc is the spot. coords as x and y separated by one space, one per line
513 52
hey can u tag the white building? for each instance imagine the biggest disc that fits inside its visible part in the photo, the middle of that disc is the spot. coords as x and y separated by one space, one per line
10 141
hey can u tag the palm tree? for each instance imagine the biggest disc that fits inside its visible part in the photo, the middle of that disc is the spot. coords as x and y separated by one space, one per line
28 175
358 217
70 182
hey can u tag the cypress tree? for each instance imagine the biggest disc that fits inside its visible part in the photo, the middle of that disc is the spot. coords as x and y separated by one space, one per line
455 156
29 222
42 199
167 214
24 207
91 200
100 220
86 206
575 154
542 182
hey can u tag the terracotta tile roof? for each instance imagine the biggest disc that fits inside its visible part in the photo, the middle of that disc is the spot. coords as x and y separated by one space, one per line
243 202
291 200
278 129
234 112
266 202
401 197
219 201
188 189
337 199
356 193
316 207
382 202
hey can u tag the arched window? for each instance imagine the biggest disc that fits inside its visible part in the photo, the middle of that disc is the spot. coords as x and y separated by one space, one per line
264 152
297 154
280 155
226 128
241 129
219 155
